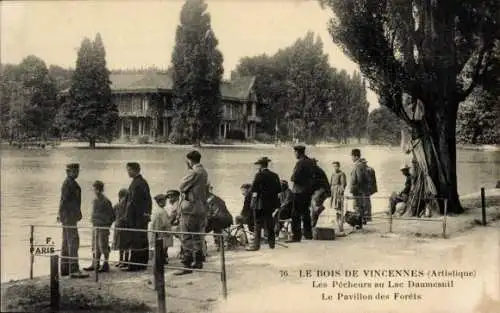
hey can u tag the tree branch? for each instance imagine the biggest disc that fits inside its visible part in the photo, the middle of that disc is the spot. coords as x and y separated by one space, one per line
476 76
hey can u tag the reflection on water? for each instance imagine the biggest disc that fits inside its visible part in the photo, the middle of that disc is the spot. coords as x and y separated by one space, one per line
31 181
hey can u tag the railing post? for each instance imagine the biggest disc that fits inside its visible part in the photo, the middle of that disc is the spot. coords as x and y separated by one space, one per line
54 282
390 220
159 275
223 276
483 207
32 250
95 261
444 216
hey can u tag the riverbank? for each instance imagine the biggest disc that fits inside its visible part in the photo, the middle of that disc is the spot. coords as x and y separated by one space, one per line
255 283
235 144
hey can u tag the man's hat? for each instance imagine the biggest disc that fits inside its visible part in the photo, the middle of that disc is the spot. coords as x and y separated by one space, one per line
194 156
245 186
134 165
122 193
98 184
160 197
263 161
299 148
73 166
172 193
404 167
363 160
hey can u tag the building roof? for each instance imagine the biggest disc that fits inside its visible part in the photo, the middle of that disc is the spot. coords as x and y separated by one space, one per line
237 89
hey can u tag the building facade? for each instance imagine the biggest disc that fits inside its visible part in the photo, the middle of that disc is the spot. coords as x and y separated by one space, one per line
145 107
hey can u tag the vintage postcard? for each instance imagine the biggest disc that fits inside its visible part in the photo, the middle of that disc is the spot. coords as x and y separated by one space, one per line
244 156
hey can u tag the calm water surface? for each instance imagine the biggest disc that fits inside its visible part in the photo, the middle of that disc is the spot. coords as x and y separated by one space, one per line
31 182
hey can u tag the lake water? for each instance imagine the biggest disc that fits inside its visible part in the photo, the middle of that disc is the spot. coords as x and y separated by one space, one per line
31 182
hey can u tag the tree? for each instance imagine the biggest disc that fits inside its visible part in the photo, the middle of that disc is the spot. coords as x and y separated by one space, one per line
197 75
478 119
433 53
30 97
90 113
384 127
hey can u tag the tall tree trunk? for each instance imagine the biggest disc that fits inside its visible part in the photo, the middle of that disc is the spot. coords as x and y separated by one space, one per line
441 155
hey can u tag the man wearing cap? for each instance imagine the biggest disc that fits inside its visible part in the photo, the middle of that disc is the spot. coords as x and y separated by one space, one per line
321 191
69 215
193 209
218 217
265 189
402 196
302 179
359 184
138 212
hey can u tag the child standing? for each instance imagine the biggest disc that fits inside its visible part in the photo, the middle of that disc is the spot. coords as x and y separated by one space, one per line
102 216
161 221
119 240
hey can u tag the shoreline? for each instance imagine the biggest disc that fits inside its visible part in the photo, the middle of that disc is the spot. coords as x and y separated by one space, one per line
237 145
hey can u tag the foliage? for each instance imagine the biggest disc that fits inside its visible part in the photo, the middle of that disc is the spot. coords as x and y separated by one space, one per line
304 95
28 97
478 119
429 54
264 138
197 74
143 140
235 134
90 113
384 127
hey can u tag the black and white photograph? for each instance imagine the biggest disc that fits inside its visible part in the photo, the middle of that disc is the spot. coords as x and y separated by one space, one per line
250 156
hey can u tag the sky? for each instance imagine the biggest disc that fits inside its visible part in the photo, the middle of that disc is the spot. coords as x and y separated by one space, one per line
142 33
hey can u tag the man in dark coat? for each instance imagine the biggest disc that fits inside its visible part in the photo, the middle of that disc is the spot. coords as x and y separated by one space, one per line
302 179
265 189
321 191
69 215
138 212
359 185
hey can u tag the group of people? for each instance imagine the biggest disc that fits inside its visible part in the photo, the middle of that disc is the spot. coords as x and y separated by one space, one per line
194 209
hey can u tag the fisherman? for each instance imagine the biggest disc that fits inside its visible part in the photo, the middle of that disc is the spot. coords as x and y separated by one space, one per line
302 179
102 218
247 211
286 206
265 189
402 196
371 181
359 185
193 209
119 237
321 191
69 215
338 183
138 211
219 217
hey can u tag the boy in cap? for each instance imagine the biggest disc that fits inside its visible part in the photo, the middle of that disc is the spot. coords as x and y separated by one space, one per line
119 239
103 215
160 220
338 182
69 215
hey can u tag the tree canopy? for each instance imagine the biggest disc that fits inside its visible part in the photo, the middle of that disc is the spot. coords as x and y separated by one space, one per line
197 74
384 127
301 93
89 113
424 54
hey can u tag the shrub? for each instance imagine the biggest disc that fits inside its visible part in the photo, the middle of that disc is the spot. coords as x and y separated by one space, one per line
236 134
143 140
264 138
162 139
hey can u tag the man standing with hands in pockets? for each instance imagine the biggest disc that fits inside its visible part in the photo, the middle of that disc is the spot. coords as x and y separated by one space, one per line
193 212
